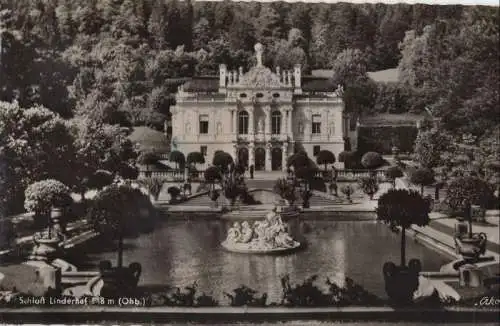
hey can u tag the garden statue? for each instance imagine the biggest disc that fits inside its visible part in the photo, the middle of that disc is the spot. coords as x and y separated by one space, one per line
264 236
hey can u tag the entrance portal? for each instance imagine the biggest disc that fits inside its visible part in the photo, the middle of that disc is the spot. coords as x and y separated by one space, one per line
260 159
276 159
243 156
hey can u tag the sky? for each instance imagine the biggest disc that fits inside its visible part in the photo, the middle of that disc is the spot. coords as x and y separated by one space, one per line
431 2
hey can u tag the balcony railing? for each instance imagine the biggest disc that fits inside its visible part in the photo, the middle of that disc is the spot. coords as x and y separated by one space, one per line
199 176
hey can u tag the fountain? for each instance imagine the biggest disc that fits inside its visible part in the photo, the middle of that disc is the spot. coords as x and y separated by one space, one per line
264 236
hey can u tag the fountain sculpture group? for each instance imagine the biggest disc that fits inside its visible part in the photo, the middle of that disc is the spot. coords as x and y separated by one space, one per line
264 236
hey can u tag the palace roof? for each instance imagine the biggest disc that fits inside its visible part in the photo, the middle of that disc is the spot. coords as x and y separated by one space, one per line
210 84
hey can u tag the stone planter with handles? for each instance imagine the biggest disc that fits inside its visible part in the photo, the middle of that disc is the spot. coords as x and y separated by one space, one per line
119 281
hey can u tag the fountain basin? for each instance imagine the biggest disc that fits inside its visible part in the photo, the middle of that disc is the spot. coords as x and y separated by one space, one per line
244 248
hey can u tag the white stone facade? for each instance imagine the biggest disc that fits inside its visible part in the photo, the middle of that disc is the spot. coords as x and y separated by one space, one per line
258 117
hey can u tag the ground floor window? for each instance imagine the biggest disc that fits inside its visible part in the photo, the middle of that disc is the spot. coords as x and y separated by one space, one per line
203 150
316 150
204 124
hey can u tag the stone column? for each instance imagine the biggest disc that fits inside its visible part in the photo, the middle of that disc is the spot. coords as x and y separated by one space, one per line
284 127
327 120
284 155
251 155
268 158
290 126
235 121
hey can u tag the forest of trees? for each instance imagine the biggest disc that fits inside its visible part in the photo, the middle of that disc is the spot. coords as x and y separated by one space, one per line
118 61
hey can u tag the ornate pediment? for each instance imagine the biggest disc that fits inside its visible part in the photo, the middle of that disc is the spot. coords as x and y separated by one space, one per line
260 77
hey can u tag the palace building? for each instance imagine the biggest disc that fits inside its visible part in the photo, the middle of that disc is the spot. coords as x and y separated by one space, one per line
259 116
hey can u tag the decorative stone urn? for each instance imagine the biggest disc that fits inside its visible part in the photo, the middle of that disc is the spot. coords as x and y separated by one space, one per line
47 244
471 247
119 281
401 281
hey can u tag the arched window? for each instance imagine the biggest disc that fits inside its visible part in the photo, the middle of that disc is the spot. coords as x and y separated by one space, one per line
243 123
276 123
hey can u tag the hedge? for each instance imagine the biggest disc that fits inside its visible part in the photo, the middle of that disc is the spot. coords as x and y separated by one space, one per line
382 139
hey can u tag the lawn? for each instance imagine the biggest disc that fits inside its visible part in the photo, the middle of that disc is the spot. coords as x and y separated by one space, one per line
388 119
149 138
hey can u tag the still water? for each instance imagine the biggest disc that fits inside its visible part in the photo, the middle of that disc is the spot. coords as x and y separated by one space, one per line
179 253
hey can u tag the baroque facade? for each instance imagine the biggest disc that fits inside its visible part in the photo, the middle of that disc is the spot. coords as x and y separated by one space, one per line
260 117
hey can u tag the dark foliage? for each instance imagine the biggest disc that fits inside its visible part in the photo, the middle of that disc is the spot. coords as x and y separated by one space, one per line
422 177
465 191
369 185
403 208
222 160
178 158
382 139
195 158
372 160
325 157
213 174
148 158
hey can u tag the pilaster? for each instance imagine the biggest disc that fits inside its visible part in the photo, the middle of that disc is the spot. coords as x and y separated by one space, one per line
235 121
268 157
251 118
267 111
284 156
251 154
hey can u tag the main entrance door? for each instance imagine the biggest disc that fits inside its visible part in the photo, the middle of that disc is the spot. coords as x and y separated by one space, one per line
260 159
243 156
276 159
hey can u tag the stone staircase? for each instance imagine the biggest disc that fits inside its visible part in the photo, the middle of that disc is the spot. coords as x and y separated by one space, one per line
260 183
246 213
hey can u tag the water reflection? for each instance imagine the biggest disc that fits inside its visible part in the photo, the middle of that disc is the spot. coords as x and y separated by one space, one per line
180 253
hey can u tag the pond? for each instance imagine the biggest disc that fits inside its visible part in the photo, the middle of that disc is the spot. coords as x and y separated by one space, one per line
179 253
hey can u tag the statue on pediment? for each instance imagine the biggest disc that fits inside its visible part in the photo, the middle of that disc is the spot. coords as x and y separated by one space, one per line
331 130
219 128
301 128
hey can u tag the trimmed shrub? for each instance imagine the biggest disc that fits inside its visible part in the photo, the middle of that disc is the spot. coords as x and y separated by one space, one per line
372 160
422 177
178 158
195 158
392 173
222 160
403 208
41 196
121 211
325 157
